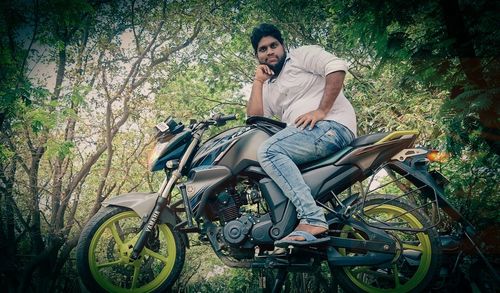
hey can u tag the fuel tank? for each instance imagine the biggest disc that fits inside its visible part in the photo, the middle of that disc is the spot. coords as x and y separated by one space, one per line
243 152
235 149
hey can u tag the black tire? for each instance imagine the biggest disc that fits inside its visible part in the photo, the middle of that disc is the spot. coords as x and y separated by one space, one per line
417 265
103 263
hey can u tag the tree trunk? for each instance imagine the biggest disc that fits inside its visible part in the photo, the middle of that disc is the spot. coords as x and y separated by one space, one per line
470 63
8 244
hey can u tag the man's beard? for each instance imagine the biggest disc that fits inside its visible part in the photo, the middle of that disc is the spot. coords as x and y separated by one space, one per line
276 68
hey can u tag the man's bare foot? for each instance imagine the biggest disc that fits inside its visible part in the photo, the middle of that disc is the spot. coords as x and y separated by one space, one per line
314 230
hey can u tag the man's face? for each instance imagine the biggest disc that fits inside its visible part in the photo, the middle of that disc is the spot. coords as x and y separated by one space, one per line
270 52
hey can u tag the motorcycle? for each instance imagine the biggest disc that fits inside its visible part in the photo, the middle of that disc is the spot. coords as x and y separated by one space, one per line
137 242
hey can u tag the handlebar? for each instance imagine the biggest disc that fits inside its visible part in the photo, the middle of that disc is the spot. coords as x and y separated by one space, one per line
227 117
219 119
172 127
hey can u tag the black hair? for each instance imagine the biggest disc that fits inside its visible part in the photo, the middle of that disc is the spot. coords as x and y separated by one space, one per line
264 30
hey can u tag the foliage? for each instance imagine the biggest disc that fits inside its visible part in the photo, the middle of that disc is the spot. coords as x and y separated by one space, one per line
440 59
473 186
67 140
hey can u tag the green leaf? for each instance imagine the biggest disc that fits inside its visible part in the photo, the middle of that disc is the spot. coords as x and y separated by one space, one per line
41 119
59 150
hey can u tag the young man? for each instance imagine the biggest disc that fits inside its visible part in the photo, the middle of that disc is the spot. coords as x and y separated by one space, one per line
304 89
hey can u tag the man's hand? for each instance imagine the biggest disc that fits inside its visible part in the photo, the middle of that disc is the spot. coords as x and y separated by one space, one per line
310 119
255 104
263 73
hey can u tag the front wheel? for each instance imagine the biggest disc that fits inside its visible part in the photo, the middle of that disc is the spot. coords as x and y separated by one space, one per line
417 263
106 243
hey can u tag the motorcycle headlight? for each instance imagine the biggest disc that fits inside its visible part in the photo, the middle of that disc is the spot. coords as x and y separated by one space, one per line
165 132
156 153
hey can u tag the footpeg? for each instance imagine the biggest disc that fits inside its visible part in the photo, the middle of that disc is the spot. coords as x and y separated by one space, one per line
278 251
257 251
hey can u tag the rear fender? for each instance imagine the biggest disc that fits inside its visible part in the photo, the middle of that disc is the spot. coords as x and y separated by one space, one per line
143 203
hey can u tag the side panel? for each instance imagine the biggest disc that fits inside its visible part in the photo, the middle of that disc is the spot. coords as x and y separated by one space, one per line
331 178
371 156
202 182
282 211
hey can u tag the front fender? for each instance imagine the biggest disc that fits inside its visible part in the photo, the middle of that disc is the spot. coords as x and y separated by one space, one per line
143 203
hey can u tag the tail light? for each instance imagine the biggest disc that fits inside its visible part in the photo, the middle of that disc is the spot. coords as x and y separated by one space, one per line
437 156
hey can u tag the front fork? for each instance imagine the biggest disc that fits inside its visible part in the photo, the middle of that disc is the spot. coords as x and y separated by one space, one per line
164 199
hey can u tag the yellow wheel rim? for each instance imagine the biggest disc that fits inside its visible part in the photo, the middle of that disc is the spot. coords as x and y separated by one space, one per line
112 244
394 279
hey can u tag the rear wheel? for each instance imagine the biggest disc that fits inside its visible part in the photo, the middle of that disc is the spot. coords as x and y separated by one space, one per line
105 245
417 263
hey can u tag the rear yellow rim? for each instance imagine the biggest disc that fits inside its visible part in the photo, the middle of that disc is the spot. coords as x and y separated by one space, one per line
370 278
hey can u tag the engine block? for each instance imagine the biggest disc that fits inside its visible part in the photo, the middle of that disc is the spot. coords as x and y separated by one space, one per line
236 231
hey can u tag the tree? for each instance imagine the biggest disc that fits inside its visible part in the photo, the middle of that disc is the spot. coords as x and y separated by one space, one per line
52 141
446 50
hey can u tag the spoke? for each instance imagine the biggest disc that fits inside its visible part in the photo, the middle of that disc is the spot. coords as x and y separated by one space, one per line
108 264
412 247
135 278
116 236
351 231
377 274
156 255
359 270
397 282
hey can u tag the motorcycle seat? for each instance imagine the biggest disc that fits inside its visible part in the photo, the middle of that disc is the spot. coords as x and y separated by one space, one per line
360 141
272 126
368 139
260 119
324 161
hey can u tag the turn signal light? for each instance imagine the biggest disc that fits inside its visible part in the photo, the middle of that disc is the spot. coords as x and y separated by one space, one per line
436 156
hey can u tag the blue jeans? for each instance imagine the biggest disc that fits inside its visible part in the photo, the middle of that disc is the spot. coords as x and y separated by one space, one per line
281 153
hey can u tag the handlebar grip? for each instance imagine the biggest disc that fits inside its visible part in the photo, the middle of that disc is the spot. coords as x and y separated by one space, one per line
227 117
220 119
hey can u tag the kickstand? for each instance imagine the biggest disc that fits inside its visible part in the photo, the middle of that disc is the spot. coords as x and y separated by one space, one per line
280 280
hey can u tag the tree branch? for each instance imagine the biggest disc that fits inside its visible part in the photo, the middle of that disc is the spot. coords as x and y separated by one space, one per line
33 37
137 63
136 38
